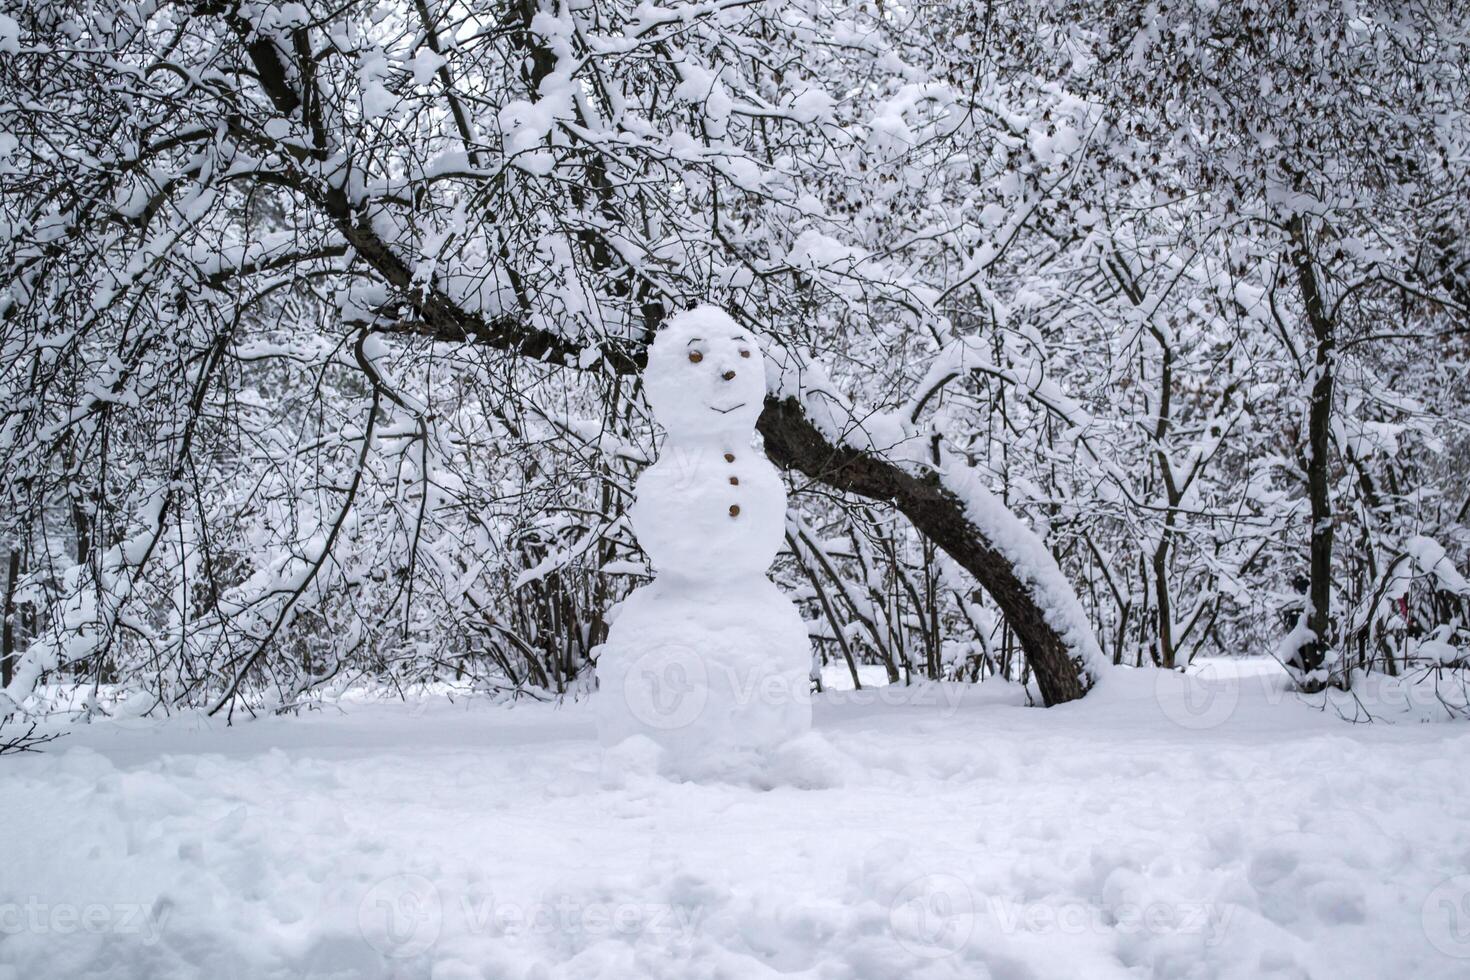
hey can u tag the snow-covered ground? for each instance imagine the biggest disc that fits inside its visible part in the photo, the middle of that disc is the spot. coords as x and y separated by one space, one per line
1159 828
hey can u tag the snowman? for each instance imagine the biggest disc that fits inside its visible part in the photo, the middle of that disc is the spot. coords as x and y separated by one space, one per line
710 660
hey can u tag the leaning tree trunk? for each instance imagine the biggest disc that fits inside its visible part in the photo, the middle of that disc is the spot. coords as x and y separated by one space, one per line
793 442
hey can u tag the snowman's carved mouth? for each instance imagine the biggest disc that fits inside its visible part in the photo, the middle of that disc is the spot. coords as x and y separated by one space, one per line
726 411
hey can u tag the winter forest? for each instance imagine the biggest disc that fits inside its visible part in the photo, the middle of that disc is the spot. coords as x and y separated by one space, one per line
365 445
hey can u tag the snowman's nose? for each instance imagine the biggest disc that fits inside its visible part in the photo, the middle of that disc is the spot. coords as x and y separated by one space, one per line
728 375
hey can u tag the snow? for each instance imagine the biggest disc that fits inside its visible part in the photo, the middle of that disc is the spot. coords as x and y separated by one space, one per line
1161 827
425 64
1430 556
9 35
811 105
1032 563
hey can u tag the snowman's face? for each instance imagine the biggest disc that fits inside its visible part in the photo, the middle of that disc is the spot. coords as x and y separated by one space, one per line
706 377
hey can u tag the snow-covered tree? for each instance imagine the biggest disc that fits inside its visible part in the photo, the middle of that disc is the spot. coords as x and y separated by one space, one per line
321 328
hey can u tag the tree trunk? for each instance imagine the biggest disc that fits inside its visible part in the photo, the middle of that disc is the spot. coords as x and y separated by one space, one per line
7 632
1312 654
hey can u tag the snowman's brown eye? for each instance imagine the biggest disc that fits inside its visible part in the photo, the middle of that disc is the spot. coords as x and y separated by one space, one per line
695 357
745 353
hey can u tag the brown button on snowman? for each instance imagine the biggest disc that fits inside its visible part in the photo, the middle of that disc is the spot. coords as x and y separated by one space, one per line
710 659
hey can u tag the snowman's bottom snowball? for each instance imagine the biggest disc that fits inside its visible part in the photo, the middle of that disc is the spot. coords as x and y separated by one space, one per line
716 676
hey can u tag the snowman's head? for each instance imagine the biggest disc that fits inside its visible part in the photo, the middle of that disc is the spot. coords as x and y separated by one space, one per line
705 376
